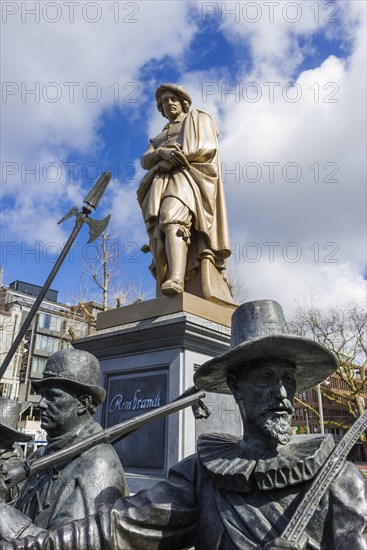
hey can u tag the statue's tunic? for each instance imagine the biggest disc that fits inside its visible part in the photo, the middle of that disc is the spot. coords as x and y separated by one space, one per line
199 188
72 490
222 499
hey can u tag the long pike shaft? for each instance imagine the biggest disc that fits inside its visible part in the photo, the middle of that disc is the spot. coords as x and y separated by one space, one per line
40 297
328 472
114 433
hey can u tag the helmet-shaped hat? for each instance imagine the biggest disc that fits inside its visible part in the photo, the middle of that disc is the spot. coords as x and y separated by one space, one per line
74 368
9 415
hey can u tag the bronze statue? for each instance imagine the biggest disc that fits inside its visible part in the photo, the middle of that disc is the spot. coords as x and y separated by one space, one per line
76 488
9 434
238 493
182 200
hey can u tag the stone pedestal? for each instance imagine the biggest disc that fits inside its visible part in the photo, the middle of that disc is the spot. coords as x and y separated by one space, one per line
148 353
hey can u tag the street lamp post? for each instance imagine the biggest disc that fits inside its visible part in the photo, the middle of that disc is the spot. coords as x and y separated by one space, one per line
307 422
321 410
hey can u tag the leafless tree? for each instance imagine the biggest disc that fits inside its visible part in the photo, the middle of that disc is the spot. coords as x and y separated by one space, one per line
342 330
111 288
238 288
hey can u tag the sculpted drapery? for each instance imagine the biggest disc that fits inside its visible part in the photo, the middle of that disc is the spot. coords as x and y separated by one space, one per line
221 500
187 198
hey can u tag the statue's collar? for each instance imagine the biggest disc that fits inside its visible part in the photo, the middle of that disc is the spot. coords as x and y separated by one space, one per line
180 118
82 432
231 464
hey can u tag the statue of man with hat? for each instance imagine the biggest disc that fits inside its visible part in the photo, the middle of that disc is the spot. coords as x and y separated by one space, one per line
181 196
9 435
70 393
239 493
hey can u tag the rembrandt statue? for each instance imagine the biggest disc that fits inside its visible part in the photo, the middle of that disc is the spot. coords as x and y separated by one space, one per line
182 200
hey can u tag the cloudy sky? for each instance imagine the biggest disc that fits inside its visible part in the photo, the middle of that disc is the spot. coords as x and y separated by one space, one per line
285 82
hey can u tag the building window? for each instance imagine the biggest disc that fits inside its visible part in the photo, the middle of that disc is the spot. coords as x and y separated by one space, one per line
5 390
46 343
64 344
38 364
50 322
32 391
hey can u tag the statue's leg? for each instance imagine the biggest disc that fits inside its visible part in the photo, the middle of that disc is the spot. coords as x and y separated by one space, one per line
176 250
157 248
175 222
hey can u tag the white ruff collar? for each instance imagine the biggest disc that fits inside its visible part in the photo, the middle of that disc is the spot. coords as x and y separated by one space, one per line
233 466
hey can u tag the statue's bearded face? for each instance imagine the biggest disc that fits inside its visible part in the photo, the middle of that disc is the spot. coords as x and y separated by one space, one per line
265 395
171 105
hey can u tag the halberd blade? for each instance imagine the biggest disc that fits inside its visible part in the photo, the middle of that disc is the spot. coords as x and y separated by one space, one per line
96 227
72 212
96 193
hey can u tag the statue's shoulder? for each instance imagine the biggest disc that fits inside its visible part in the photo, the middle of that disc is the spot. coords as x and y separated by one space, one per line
185 469
198 113
352 479
214 446
199 117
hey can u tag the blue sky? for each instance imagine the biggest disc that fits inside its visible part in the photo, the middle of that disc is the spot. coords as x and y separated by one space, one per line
293 155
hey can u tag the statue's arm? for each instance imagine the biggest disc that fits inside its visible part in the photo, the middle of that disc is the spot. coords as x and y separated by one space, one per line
94 479
150 158
78 534
165 159
14 524
347 519
200 143
163 518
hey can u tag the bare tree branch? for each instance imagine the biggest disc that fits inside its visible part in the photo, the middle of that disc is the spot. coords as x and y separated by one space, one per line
342 330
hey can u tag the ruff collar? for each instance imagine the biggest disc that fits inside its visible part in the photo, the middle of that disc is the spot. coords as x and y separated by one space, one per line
233 466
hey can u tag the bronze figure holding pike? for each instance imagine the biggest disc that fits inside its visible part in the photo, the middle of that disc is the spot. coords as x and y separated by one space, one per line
241 493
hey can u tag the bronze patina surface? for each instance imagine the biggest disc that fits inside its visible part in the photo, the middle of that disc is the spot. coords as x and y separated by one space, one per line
10 455
237 493
76 488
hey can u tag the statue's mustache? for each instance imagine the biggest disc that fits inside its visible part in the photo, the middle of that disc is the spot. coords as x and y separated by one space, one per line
278 406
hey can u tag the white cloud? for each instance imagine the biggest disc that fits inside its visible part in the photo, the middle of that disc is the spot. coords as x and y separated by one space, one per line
99 58
272 30
309 213
320 137
288 283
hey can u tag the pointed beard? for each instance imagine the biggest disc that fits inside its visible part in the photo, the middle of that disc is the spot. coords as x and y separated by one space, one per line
277 428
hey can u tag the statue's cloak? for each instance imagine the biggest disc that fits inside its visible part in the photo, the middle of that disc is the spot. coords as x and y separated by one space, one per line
200 188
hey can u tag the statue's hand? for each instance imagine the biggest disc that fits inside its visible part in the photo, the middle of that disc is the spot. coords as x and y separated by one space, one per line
174 156
165 166
282 544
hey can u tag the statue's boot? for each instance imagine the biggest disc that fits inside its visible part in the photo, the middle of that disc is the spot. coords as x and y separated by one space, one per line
176 250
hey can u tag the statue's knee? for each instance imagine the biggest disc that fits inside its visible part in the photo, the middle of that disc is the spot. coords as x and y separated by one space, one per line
178 231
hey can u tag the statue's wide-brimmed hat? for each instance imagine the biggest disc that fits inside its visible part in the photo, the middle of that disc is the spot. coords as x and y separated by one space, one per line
175 89
259 331
75 369
9 415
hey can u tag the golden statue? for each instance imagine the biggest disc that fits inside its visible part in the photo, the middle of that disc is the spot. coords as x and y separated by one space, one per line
183 203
